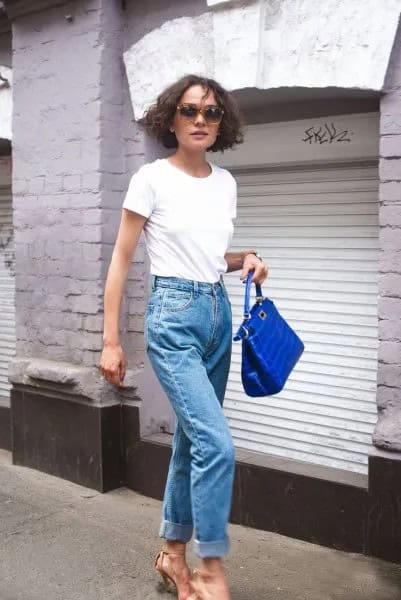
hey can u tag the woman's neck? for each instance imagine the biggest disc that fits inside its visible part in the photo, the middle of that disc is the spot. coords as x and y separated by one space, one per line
194 164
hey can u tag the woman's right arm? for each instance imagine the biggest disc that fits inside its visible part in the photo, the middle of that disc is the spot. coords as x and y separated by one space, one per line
112 362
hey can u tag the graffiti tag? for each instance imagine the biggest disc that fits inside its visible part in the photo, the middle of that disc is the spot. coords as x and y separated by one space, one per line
326 134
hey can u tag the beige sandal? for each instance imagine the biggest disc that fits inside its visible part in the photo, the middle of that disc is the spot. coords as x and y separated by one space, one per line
168 582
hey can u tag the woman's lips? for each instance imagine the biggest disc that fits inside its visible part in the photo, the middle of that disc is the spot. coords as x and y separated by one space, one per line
199 134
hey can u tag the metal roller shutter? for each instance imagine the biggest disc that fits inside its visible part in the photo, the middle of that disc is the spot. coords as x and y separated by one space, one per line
318 229
7 292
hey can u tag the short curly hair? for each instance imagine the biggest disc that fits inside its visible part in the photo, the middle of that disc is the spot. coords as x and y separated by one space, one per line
158 117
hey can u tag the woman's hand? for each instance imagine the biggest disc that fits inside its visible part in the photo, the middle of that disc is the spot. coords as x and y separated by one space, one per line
253 263
113 364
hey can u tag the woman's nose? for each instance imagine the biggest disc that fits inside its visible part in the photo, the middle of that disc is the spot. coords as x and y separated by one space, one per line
199 119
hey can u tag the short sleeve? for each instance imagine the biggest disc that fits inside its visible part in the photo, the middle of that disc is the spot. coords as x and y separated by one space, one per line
140 195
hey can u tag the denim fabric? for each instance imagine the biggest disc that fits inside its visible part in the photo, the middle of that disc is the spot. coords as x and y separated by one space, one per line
188 333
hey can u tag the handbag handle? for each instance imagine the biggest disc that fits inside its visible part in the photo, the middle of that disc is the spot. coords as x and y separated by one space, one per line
259 294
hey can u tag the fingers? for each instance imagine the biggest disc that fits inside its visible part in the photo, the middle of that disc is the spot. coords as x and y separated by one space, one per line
259 268
260 274
113 377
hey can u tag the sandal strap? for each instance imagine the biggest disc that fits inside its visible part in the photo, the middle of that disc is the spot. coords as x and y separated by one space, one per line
202 574
199 574
164 551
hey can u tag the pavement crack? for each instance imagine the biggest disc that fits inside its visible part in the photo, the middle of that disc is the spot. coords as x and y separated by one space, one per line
24 526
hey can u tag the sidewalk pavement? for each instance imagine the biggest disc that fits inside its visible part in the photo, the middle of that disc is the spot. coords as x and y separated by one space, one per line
61 541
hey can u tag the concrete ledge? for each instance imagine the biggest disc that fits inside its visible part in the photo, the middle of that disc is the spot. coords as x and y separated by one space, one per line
71 379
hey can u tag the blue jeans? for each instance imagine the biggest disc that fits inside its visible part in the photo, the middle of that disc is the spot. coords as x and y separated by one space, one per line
188 333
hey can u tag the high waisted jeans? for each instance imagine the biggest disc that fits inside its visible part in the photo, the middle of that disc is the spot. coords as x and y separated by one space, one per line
188 333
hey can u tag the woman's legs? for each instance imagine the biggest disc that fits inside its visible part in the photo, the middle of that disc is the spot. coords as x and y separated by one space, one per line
189 346
189 351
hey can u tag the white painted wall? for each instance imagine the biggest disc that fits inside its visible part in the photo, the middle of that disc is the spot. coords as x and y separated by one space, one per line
236 45
268 44
5 104
180 45
319 44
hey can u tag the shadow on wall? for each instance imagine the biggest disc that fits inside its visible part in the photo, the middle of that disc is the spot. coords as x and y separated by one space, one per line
288 104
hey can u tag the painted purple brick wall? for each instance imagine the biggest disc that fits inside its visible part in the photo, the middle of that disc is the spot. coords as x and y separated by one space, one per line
72 157
56 182
387 434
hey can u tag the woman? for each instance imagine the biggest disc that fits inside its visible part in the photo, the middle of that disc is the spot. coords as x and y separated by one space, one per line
185 206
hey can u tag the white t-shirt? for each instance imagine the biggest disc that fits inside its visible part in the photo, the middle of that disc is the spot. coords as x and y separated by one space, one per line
189 219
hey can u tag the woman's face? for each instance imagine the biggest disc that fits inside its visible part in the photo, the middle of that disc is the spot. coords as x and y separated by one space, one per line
196 133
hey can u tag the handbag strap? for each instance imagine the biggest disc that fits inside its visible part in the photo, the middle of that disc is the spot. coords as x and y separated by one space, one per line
259 294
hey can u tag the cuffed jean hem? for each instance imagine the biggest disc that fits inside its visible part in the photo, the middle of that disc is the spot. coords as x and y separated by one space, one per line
175 531
211 549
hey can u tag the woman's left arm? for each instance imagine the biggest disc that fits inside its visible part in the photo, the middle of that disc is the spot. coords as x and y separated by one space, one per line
247 261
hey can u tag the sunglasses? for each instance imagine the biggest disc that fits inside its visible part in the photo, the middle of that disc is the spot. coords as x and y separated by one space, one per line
211 114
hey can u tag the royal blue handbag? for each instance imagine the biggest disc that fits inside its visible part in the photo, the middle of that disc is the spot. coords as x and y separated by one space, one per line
270 347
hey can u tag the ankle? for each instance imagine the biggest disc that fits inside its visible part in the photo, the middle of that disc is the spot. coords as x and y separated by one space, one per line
175 547
212 566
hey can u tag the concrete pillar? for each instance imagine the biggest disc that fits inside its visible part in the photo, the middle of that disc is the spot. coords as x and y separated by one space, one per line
387 434
382 529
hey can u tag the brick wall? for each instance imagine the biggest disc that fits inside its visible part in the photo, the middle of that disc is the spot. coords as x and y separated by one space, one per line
56 182
75 146
387 434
